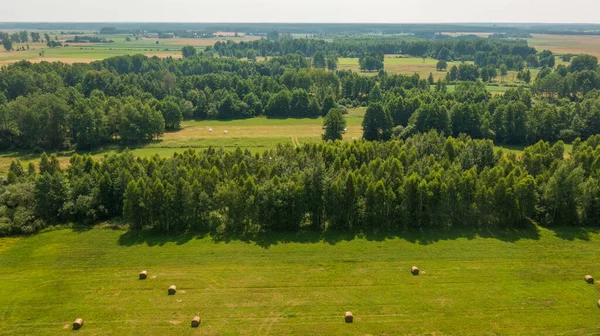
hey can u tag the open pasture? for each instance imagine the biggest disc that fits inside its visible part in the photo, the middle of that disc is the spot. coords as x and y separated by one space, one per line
517 283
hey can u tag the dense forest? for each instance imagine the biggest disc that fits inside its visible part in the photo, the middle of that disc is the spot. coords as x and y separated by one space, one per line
134 99
426 161
425 182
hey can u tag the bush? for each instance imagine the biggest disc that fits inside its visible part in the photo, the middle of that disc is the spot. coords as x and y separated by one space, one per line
568 135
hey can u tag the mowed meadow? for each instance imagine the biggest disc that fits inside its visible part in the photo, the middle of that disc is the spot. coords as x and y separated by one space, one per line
255 134
519 283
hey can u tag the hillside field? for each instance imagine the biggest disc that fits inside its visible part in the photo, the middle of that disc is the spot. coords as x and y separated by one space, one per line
521 283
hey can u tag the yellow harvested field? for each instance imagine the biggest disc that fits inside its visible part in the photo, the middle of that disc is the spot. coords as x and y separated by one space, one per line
567 44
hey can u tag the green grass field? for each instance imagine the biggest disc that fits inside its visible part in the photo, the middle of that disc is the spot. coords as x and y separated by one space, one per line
527 283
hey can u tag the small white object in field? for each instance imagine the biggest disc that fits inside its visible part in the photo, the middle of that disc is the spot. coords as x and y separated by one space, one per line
345 129
210 129
225 131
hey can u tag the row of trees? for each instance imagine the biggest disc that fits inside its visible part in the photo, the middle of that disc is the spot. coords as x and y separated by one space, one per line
18 37
426 182
458 49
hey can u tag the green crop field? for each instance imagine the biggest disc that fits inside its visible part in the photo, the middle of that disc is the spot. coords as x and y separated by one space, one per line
520 283
88 52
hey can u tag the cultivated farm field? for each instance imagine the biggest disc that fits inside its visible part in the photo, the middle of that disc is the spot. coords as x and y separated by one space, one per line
567 44
517 283
89 52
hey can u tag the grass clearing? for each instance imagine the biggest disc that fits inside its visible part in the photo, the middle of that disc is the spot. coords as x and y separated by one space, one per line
255 134
400 65
518 283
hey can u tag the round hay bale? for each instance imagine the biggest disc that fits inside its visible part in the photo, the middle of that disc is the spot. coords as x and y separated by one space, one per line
78 323
195 321
210 130
225 132
414 270
172 290
589 279
143 275
348 317
598 303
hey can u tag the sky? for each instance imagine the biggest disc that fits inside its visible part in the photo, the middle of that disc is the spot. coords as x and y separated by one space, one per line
370 11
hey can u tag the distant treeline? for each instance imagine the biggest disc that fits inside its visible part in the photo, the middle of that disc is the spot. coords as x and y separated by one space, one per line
446 49
314 28
427 182
89 39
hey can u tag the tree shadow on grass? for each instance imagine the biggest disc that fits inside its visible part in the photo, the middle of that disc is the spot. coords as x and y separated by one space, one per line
154 238
427 237
575 233
267 239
